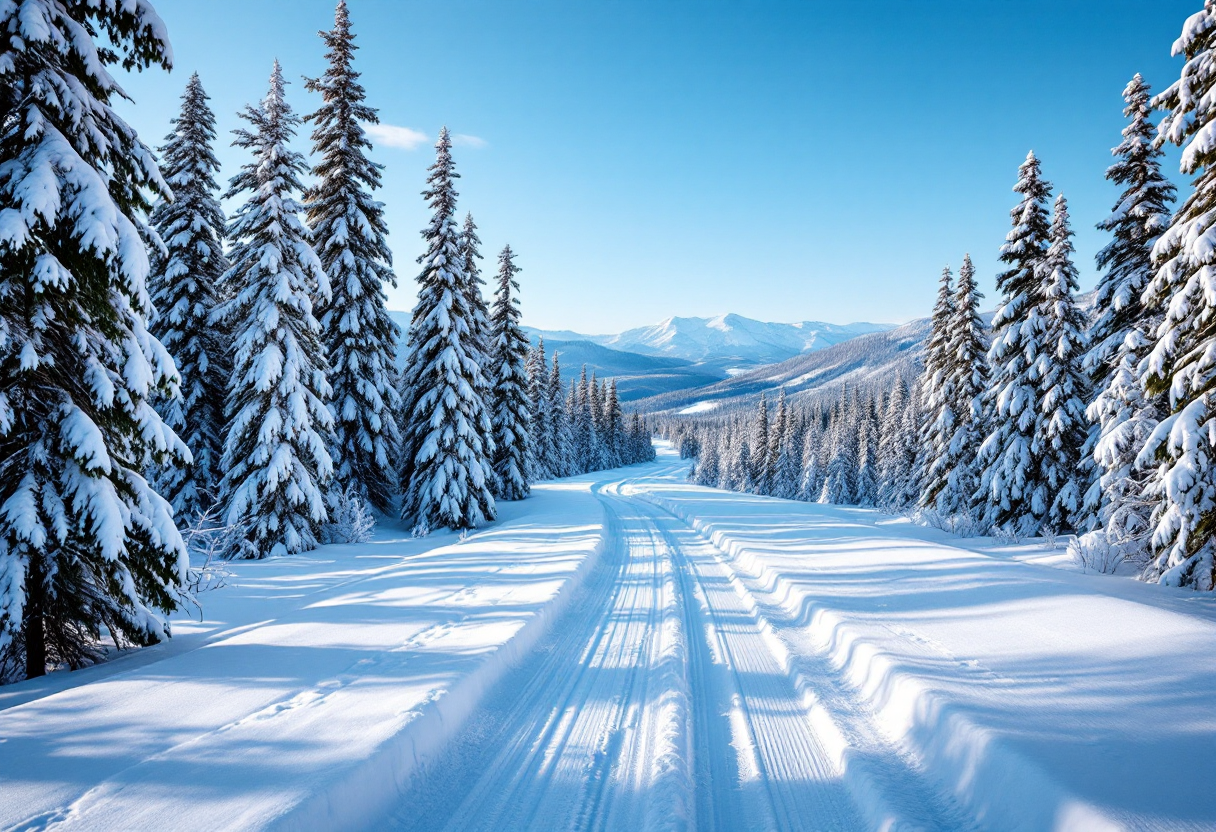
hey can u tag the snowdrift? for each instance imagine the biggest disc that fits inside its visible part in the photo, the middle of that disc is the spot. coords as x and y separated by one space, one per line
1039 698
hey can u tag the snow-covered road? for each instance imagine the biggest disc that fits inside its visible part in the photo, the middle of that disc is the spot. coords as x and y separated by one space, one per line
745 663
628 652
666 700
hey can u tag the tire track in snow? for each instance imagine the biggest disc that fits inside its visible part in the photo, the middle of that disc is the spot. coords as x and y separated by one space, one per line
591 734
884 784
785 779
667 700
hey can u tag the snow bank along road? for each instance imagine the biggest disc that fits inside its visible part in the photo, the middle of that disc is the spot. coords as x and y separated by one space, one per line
630 652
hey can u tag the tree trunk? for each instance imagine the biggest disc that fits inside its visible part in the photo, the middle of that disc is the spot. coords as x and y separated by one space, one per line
35 633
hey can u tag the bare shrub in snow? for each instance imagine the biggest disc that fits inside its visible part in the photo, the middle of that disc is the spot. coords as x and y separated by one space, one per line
210 544
1095 552
350 519
961 524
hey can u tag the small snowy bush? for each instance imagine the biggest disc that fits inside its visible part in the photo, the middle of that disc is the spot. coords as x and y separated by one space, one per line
961 524
350 519
209 544
1094 552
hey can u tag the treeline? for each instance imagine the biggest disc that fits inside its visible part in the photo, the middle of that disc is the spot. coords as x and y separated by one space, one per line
162 365
1051 421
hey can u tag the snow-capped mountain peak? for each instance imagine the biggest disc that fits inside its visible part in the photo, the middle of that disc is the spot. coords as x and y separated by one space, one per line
734 336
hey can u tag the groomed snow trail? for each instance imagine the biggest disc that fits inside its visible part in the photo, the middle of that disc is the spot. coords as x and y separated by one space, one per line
666 701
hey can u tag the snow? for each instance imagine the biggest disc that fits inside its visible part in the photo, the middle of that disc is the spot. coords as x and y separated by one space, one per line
1021 689
311 688
699 407
627 648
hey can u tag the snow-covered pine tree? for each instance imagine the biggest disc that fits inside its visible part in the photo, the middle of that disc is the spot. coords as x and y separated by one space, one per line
276 457
967 379
912 421
85 542
937 397
708 464
1182 361
509 411
842 465
614 421
1012 490
596 456
811 484
562 463
543 453
479 314
448 437
867 459
348 233
184 289
1121 415
892 461
578 430
778 434
1057 370
761 473
586 443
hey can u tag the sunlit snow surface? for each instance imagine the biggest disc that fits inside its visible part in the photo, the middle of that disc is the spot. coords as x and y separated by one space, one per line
626 651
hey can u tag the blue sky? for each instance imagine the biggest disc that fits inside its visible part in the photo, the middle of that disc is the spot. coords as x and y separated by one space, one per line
786 161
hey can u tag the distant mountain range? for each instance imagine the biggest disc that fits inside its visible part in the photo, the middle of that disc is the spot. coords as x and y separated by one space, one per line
724 339
685 353
871 359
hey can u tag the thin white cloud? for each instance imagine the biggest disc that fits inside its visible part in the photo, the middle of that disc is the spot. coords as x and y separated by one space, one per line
391 135
465 140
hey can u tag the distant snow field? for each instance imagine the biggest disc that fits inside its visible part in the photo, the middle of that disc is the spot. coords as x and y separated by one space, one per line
699 407
627 651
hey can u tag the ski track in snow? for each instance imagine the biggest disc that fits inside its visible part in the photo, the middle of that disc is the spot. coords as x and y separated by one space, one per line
669 703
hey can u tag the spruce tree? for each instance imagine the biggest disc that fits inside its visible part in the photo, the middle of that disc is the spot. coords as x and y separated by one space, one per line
1057 370
892 456
707 471
184 289
867 459
810 484
761 474
348 233
448 438
1121 414
509 409
597 459
583 425
85 542
614 422
480 342
562 463
1182 359
937 395
967 378
841 467
778 433
1012 491
276 458
543 452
